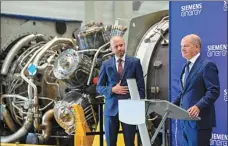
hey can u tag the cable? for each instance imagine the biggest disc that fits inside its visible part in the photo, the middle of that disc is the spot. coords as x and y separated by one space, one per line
148 108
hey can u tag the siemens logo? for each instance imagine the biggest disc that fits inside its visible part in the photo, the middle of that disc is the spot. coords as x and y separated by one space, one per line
191 10
225 95
219 139
225 7
217 50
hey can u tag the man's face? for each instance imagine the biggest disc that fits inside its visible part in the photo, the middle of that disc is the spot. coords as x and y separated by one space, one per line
188 48
118 47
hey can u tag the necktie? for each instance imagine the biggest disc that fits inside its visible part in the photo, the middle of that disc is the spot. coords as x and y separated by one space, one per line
120 67
186 71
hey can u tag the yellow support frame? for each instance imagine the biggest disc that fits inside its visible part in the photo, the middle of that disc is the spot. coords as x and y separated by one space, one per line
80 137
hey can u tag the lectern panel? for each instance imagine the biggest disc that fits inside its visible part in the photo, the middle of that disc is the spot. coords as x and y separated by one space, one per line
175 112
132 111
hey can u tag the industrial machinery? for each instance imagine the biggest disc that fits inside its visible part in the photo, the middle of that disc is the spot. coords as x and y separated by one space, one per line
43 75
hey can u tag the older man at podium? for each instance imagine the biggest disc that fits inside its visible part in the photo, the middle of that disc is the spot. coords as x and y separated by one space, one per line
199 90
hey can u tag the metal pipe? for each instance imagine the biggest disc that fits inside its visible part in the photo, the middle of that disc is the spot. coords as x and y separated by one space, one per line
45 65
36 104
89 50
30 92
25 78
15 49
163 19
14 96
21 132
8 119
23 57
109 54
106 51
42 36
46 98
18 108
46 106
48 45
94 61
46 122
16 118
36 122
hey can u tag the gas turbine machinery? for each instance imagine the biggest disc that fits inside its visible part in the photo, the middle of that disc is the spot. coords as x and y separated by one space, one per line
41 78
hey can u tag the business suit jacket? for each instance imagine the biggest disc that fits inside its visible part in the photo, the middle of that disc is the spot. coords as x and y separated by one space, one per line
108 77
202 89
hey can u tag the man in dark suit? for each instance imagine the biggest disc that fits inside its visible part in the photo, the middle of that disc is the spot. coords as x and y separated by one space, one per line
199 89
113 85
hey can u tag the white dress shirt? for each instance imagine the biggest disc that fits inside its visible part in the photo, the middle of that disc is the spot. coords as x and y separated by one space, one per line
192 61
117 63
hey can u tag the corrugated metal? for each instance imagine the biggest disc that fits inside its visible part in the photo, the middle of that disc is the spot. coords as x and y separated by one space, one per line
71 10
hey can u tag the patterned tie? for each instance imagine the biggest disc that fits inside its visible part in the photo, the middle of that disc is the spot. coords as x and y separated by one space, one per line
120 67
186 71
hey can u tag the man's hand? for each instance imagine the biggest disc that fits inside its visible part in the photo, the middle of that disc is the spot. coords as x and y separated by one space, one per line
193 111
120 89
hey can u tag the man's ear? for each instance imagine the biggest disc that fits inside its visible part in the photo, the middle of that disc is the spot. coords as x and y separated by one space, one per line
198 47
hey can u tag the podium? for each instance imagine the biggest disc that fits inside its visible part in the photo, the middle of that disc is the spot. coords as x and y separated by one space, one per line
134 111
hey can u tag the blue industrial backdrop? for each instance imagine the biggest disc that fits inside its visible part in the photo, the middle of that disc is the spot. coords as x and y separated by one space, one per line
209 21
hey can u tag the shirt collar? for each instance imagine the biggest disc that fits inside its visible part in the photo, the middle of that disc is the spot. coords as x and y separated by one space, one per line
123 58
193 59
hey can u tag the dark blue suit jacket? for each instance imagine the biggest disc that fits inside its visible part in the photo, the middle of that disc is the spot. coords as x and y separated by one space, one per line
108 77
202 89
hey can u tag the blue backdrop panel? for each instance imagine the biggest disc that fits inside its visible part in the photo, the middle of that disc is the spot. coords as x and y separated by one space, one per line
209 21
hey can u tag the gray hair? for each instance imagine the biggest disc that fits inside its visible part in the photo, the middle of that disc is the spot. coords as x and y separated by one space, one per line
194 38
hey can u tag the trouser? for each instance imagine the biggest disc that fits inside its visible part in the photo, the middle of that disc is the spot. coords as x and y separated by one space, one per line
111 131
195 137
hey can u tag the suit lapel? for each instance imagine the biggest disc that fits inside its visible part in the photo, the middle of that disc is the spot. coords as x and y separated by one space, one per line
126 65
196 66
114 66
181 83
